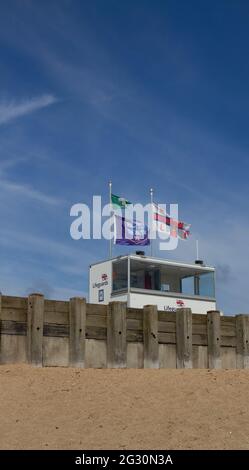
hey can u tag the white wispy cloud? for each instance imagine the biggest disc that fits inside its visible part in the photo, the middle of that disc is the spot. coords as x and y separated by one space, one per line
10 162
29 192
43 246
68 257
10 110
7 186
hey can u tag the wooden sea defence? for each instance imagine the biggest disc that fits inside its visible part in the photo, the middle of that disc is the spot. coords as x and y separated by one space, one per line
45 332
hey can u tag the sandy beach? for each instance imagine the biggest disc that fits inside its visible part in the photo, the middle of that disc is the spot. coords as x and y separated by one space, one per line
63 408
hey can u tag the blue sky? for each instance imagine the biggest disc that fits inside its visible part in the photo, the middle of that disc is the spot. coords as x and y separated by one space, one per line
147 93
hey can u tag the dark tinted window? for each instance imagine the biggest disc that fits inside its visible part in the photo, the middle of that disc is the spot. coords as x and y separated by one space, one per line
120 275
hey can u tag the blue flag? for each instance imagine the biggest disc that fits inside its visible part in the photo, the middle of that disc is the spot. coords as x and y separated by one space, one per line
129 232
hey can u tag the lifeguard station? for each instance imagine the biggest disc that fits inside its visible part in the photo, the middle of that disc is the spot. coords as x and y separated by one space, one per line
143 280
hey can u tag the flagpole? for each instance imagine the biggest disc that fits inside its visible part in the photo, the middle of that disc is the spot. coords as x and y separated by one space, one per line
197 249
110 202
151 201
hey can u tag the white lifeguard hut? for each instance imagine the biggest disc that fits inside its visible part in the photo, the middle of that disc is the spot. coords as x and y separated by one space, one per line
144 280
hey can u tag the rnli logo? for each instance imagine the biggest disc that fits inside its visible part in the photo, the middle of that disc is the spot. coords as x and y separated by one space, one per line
102 283
179 303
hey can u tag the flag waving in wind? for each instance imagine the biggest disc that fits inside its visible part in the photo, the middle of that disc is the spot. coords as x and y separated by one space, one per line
128 232
119 201
163 223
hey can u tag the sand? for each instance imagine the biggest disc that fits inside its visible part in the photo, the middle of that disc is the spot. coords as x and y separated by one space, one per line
64 408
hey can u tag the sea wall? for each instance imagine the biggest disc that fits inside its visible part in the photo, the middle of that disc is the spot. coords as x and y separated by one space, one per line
74 333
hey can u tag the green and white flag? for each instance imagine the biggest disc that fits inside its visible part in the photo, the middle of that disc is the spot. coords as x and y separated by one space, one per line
119 201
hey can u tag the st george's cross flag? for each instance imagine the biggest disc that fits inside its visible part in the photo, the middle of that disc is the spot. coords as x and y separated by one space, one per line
163 223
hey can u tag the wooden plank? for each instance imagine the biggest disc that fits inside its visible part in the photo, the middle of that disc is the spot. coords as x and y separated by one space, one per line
14 314
96 320
166 316
184 338
214 339
199 319
166 326
56 330
200 340
242 350
96 332
14 302
230 341
56 306
134 336
228 331
9 327
77 331
137 314
199 329
116 335
132 324
56 311
228 326
59 318
95 309
166 338
134 314
35 329
228 320
150 334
